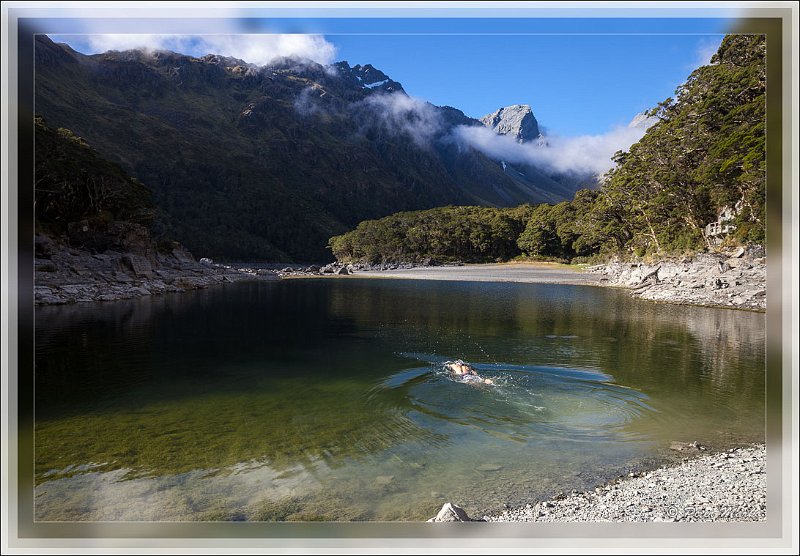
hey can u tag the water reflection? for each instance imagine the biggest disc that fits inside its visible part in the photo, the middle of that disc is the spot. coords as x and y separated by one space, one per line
329 395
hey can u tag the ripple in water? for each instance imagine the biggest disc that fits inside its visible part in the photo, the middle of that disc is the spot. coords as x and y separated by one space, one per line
525 401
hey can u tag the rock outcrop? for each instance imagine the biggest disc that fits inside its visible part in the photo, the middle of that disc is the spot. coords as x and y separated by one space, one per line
516 121
735 279
67 274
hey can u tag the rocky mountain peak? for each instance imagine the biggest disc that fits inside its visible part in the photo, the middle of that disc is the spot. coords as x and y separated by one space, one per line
516 120
368 77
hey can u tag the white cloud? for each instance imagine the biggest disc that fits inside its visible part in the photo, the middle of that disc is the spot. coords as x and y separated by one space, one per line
307 103
255 49
586 154
409 115
706 48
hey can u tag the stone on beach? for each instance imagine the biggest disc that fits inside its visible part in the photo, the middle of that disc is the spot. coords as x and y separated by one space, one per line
686 446
450 513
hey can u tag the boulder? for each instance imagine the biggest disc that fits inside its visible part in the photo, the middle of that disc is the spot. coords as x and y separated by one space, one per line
140 266
343 271
450 513
127 237
182 255
44 246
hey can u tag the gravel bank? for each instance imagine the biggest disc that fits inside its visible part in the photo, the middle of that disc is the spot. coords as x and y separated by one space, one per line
523 272
726 486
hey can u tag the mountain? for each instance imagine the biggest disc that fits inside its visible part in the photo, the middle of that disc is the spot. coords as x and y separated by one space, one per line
701 158
250 162
368 77
516 121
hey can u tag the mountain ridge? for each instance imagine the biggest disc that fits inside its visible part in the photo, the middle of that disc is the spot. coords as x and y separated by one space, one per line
267 162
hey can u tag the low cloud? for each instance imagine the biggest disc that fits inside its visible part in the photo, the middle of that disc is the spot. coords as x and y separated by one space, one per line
586 154
307 102
401 113
706 48
254 49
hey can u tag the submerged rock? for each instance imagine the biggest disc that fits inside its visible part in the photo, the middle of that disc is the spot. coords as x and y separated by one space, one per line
489 467
686 446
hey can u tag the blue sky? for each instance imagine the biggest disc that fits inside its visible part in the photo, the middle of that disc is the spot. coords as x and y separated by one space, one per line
577 83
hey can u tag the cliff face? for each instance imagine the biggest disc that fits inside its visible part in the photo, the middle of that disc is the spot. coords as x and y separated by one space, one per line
516 121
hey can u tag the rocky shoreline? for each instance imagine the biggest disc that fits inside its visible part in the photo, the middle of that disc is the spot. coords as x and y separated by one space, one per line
724 486
65 274
344 269
735 280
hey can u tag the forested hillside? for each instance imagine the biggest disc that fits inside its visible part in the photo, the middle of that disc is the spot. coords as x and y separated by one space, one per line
74 184
469 234
707 152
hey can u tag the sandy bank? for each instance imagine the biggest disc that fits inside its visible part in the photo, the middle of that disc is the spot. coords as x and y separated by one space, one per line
518 272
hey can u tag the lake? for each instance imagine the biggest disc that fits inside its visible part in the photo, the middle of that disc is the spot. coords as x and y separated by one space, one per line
325 399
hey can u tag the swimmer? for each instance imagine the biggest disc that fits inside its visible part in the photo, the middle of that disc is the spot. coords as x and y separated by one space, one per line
463 370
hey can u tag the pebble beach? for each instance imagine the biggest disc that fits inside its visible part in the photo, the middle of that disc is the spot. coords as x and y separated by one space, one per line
724 486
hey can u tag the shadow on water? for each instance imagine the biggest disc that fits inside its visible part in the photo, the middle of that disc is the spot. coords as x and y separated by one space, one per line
327 399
